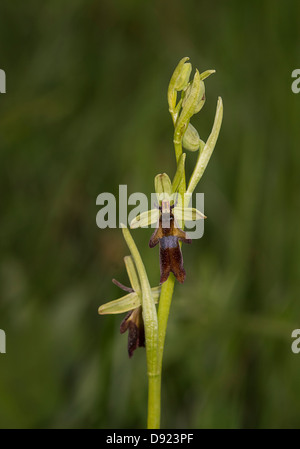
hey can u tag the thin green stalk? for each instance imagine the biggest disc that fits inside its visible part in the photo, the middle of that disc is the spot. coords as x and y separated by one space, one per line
154 400
163 315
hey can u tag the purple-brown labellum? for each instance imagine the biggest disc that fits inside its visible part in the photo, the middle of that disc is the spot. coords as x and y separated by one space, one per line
133 322
167 234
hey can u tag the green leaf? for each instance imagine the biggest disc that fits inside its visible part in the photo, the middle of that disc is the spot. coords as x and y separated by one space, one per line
208 149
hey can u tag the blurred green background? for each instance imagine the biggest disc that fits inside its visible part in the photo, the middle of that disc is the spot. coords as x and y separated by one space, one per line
85 111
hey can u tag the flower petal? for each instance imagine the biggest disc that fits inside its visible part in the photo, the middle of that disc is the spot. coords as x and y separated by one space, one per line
132 274
126 303
146 218
188 214
120 305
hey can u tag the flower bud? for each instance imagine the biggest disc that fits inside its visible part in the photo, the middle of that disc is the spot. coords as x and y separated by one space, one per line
200 98
178 80
191 140
183 77
163 184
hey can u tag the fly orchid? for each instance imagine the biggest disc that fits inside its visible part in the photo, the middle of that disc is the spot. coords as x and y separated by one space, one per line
169 217
131 303
145 325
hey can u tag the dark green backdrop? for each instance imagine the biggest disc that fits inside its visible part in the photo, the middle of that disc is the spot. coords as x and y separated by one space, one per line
85 111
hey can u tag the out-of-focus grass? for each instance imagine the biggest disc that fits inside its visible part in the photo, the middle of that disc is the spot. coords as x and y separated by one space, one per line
85 111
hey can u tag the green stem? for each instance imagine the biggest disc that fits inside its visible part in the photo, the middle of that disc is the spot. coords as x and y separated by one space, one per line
178 150
163 315
154 389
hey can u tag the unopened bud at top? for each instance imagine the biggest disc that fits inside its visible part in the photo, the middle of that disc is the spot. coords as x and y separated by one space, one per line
163 184
200 97
183 77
